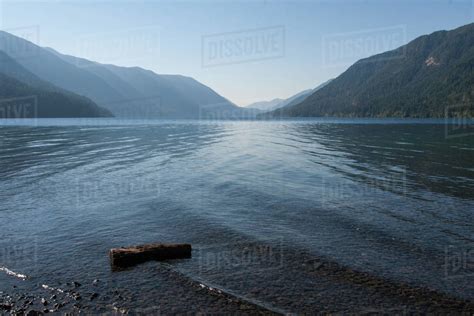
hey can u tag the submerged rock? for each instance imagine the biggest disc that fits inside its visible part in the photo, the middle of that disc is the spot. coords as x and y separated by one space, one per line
6 307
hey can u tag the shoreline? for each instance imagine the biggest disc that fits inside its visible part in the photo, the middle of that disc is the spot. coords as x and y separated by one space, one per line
75 298
387 296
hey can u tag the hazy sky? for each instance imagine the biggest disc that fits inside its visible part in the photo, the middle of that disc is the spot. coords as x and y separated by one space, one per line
245 50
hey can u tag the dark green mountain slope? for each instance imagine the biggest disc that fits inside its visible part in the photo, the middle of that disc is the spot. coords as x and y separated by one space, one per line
419 79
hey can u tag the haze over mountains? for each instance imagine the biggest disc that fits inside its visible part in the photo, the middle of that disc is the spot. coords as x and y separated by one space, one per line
20 90
279 103
137 92
420 79
125 92
266 105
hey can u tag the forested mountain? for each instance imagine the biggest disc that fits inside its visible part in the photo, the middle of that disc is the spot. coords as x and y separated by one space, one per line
419 79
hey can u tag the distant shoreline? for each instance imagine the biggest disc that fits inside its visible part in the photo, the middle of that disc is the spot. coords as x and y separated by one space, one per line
336 120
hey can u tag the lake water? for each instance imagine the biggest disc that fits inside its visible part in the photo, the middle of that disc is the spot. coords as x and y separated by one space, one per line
260 202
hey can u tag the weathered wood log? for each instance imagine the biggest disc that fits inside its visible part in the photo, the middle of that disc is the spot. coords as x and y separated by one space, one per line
130 256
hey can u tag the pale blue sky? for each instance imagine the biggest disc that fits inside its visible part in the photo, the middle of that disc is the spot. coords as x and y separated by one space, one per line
173 36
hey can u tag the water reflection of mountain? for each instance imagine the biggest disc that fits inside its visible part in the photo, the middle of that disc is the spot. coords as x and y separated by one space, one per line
386 155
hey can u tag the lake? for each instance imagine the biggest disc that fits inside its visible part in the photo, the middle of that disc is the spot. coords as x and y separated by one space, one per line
265 204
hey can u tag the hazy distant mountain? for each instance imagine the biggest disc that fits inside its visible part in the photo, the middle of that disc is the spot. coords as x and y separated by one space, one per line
24 95
279 103
419 79
265 105
299 97
53 69
152 95
125 91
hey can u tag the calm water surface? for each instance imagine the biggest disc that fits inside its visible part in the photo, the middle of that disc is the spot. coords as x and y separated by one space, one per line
257 200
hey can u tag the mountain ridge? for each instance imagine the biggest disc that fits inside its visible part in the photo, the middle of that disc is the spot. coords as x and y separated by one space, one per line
158 95
128 92
278 103
419 79
265 105
18 85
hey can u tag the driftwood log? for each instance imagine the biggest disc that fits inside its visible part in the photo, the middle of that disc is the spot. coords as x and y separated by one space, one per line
130 256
